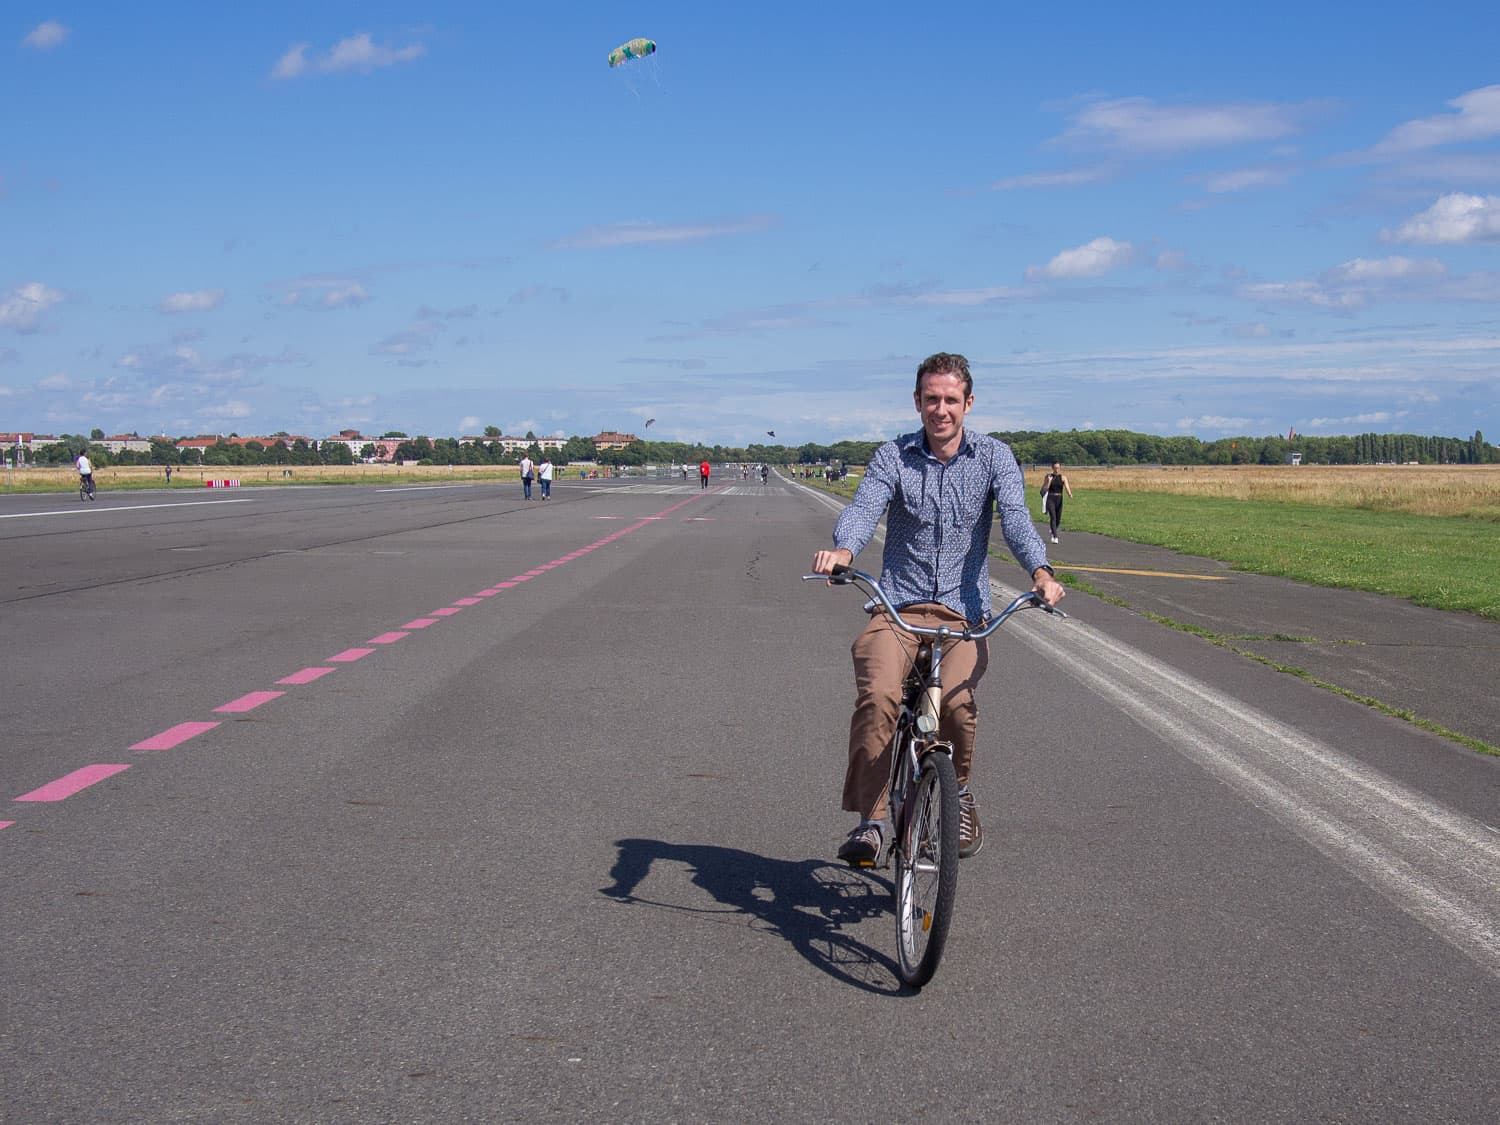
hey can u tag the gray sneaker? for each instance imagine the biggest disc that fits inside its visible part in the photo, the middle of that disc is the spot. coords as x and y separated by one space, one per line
970 834
863 846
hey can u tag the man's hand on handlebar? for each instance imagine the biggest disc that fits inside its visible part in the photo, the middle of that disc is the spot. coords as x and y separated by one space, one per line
1049 589
825 561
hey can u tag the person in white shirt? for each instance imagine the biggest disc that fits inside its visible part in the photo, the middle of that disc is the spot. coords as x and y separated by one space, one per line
85 471
544 474
526 468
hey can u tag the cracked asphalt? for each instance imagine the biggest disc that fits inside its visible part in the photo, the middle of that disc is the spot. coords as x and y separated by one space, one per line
1437 664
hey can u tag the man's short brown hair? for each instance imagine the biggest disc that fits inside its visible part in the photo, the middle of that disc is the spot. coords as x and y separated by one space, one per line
946 363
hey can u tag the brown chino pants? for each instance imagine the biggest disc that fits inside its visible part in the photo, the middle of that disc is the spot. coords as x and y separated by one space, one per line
882 655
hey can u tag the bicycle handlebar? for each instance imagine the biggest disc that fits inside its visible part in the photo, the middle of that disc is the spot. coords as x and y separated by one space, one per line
847 575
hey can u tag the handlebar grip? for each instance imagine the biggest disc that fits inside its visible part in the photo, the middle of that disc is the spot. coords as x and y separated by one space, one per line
839 570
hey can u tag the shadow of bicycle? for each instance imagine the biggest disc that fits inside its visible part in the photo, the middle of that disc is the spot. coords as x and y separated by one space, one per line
809 903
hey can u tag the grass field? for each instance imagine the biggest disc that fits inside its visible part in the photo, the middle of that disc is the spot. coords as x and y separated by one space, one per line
1424 490
1427 533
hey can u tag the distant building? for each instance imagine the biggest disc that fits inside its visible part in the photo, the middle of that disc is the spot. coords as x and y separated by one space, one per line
125 443
353 440
515 444
1294 458
609 439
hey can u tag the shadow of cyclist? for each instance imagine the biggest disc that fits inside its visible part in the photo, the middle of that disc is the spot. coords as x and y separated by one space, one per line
806 902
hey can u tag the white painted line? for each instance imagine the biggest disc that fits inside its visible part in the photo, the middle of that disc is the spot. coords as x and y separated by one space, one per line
1439 866
423 487
96 509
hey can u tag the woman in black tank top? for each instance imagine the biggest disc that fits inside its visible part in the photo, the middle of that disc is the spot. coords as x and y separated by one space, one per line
1054 484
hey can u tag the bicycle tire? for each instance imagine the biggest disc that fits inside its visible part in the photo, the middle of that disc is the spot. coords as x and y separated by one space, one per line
927 870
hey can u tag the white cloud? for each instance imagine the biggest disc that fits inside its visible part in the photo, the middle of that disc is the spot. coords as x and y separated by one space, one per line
468 424
1301 293
234 408
45 36
1075 177
1360 270
293 63
1455 217
1139 125
1214 422
1089 260
356 53
1374 417
1449 169
1257 331
1477 119
645 233
21 309
191 302
322 292
1244 179
58 382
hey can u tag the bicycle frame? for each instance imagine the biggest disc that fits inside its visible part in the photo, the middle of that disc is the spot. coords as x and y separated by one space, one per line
923 792
922 698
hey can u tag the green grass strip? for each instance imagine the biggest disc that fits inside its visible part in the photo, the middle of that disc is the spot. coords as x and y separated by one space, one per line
1448 563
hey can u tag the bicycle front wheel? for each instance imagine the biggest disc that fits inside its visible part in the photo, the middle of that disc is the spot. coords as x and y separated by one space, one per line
927 870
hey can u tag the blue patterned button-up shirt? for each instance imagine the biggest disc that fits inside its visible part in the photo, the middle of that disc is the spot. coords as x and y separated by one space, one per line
938 518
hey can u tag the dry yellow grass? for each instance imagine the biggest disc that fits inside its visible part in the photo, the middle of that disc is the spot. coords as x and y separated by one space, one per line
1427 490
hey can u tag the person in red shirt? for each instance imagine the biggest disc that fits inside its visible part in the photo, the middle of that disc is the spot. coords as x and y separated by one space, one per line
703 475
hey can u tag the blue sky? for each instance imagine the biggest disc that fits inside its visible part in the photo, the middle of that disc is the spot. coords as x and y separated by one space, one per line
1176 218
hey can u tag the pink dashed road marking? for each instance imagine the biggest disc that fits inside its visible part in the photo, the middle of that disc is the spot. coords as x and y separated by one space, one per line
6 823
519 578
504 585
386 638
486 593
71 783
248 702
420 623
446 611
468 601
174 736
306 676
350 655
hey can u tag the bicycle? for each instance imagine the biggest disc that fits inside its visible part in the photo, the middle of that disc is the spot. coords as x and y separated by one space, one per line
923 790
85 488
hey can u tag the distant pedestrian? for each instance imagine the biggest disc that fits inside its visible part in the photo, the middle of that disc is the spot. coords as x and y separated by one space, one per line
1054 484
703 475
169 476
526 468
544 474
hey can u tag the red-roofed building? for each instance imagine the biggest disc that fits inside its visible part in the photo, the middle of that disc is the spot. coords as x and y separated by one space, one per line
610 439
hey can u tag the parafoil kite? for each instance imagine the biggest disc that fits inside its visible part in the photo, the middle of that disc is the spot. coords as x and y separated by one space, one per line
770 433
648 422
635 49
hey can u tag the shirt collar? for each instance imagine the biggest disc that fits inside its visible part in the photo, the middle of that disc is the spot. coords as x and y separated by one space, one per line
917 443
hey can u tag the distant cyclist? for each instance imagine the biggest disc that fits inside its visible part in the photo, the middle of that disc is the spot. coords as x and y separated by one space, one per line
938 490
85 472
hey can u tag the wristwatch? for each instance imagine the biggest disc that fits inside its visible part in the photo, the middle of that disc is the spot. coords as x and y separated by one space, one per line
1045 567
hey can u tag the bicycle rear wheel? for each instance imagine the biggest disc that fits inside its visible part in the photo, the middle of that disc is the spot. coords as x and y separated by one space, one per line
927 870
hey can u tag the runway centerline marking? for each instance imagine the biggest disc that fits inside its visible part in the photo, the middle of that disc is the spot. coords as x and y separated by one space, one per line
71 783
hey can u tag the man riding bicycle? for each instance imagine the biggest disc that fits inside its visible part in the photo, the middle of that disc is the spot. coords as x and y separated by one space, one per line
85 472
935 488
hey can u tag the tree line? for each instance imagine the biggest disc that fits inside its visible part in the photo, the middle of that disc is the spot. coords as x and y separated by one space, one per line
1032 447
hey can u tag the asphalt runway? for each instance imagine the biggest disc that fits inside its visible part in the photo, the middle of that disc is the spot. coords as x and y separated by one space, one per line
428 804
